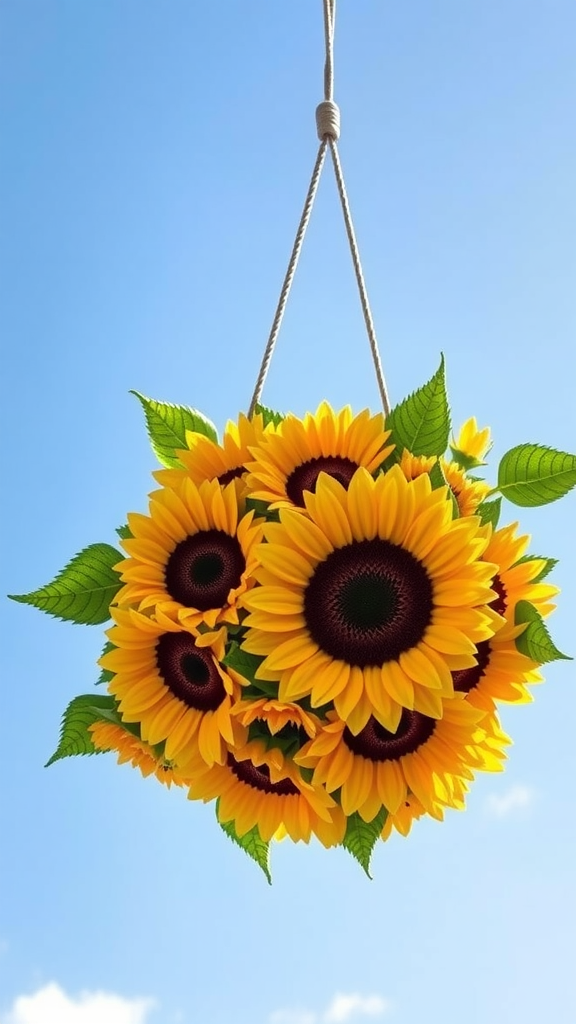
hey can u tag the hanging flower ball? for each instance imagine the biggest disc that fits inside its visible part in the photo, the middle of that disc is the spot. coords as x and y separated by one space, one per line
315 621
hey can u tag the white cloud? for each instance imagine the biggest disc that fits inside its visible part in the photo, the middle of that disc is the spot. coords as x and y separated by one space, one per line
516 798
51 1005
343 1007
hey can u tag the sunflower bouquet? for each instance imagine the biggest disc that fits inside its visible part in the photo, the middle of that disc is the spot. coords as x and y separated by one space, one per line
317 618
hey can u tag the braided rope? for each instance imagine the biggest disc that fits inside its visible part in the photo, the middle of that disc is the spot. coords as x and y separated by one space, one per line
328 128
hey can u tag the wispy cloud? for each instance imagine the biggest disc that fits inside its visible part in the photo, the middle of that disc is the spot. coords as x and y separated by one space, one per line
342 1008
514 799
51 1005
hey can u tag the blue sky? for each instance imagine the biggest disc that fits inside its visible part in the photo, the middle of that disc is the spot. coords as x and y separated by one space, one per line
155 160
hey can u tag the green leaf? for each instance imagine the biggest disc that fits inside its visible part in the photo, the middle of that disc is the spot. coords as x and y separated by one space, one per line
79 715
244 663
262 509
269 415
361 837
421 423
251 842
489 512
531 474
106 676
112 715
167 425
437 480
83 590
551 563
535 642
124 532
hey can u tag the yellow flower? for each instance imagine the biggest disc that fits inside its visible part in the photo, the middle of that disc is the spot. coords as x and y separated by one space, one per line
171 682
287 464
207 460
473 444
468 493
517 582
260 787
372 599
424 756
410 810
192 557
276 715
502 673
107 736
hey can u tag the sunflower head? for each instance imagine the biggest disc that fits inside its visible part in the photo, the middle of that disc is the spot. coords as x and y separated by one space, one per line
193 556
371 599
286 465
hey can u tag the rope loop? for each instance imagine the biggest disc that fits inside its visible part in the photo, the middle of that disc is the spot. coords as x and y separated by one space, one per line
328 120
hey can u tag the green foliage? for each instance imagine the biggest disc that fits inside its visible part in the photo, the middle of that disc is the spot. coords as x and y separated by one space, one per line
535 642
437 480
465 461
106 676
251 842
83 590
269 415
421 423
124 532
167 425
75 737
361 837
489 512
244 663
531 474
545 571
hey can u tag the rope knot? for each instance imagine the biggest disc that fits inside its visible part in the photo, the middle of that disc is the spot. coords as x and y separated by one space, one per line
328 120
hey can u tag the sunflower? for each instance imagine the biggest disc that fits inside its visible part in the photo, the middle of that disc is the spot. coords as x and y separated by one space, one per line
517 580
191 557
424 756
502 673
276 715
372 600
287 464
205 459
171 682
468 493
107 736
261 787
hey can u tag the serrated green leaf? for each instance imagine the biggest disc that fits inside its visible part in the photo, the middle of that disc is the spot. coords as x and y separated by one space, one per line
83 590
535 642
361 837
124 532
551 563
251 842
167 425
489 512
531 475
106 676
75 737
421 423
111 714
269 415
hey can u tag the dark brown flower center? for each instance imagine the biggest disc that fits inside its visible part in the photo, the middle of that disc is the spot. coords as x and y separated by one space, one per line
500 603
258 776
368 602
305 476
376 743
465 679
230 475
204 568
189 672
